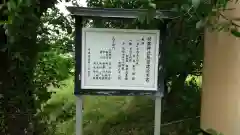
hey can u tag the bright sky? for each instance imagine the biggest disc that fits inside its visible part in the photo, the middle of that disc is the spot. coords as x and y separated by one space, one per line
62 3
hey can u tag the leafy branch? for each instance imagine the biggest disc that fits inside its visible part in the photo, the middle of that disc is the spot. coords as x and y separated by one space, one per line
216 12
9 9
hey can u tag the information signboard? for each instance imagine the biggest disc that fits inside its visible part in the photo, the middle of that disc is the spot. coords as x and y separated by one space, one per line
120 59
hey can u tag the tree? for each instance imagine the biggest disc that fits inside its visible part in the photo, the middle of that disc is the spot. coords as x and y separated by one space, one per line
19 53
55 64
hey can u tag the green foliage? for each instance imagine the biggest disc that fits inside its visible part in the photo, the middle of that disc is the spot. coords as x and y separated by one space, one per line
55 61
59 111
10 8
120 115
235 32
32 62
207 13
17 67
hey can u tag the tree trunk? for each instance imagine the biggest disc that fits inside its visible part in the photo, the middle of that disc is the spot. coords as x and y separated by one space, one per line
16 87
18 60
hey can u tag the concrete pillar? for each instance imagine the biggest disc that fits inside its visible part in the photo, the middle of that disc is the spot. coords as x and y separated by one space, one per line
221 80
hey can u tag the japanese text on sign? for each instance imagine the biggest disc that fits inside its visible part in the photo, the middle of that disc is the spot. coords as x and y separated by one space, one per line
120 59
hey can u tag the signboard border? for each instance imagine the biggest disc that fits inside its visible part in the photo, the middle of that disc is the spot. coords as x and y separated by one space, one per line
124 88
78 91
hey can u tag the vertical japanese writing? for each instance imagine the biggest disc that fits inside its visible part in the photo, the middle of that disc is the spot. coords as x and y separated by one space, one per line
102 70
89 61
142 41
149 45
130 54
137 53
105 54
127 58
119 70
109 54
113 43
95 70
133 72
134 58
130 51
126 72
130 42
126 67
123 55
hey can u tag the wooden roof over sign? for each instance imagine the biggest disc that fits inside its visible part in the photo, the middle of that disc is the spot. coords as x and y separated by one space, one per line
119 12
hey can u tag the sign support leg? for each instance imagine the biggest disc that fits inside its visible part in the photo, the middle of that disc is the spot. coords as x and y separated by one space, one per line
79 115
157 119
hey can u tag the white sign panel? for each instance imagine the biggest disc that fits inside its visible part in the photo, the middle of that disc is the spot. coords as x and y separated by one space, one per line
121 59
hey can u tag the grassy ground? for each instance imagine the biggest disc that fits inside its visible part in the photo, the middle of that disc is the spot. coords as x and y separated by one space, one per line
105 115
97 109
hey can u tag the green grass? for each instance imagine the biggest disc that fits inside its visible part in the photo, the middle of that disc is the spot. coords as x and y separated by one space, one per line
104 115
97 109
